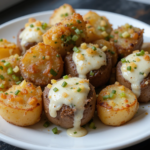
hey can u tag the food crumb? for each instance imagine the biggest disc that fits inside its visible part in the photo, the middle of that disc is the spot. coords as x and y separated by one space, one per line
48 130
146 113
13 37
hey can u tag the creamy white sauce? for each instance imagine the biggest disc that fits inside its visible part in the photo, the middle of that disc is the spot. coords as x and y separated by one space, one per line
135 76
90 61
69 96
31 34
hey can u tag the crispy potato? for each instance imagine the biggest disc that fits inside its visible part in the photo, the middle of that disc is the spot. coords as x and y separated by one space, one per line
146 47
40 64
63 36
7 49
127 39
145 84
110 48
31 34
60 13
65 116
119 108
21 105
9 72
98 27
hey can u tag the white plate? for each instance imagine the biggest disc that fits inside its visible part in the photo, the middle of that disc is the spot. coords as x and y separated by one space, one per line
104 137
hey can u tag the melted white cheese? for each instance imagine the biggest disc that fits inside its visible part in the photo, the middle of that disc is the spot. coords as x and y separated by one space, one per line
31 34
69 96
135 76
90 62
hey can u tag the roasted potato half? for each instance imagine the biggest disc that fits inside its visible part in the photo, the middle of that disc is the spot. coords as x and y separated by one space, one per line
8 48
116 105
65 116
65 35
60 13
40 64
97 27
97 77
127 39
31 34
9 72
146 47
21 105
110 48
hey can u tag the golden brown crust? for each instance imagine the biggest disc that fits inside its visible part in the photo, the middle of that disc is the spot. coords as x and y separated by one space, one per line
60 36
132 40
97 27
145 88
38 62
101 76
60 13
65 115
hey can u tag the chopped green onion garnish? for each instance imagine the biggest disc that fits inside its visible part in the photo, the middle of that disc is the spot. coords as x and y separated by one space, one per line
129 68
106 97
46 124
94 48
75 49
38 28
15 77
79 89
122 94
18 82
142 73
7 64
75 38
64 84
113 91
91 73
1 86
44 25
92 125
1 67
53 72
17 92
43 57
116 32
111 36
77 83
73 27
3 61
77 31
79 21
2 77
31 25
57 55
115 41
65 77
55 89
1 40
75 132
55 130
10 70
141 53
111 95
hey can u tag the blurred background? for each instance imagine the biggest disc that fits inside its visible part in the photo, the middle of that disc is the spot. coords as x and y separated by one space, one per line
139 9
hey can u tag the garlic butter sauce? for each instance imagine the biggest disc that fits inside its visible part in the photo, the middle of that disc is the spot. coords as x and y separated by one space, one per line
89 58
135 69
74 95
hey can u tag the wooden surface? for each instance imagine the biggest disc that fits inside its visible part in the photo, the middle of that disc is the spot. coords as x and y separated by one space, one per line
136 10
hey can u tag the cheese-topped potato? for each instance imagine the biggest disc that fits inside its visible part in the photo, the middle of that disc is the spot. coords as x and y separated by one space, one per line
21 105
64 35
91 62
8 48
116 105
40 64
31 34
60 13
9 72
98 27
70 103
109 47
127 39
133 72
